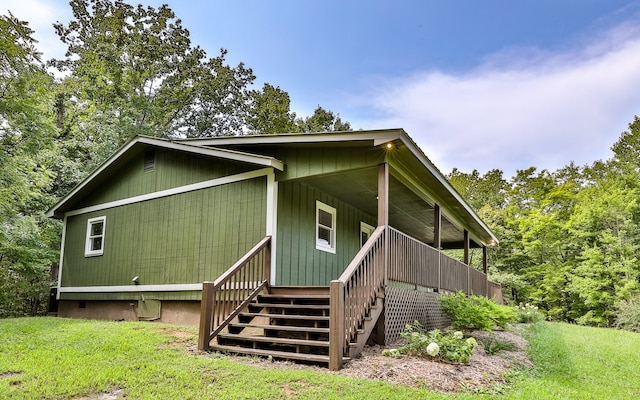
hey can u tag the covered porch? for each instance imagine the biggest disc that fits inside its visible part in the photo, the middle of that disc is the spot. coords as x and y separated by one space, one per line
394 279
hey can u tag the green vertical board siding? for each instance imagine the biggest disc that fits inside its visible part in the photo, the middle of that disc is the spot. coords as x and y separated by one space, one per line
313 160
172 169
298 261
310 161
184 238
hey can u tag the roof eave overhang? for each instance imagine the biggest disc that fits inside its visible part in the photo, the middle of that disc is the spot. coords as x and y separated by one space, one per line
433 170
378 137
264 161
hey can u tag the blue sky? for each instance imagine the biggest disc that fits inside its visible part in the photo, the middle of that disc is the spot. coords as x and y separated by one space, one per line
477 84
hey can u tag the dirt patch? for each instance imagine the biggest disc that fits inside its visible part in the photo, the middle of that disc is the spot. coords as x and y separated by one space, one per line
287 390
12 377
177 333
113 394
483 372
181 339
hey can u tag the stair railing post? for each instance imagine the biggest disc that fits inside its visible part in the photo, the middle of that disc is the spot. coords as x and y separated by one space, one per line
206 311
267 265
336 325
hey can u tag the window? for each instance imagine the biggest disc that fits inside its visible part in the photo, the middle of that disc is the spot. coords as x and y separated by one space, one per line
366 231
95 237
325 227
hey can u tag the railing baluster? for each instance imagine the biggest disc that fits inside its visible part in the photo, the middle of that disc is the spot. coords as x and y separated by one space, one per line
223 299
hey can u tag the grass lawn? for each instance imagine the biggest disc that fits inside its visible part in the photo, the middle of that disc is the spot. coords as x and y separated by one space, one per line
56 358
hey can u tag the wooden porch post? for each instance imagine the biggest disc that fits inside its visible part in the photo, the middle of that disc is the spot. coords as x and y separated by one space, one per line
383 194
484 269
437 222
383 220
437 244
336 325
465 236
484 259
466 246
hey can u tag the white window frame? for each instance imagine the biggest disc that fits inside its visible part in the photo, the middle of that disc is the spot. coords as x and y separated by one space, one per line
320 243
365 228
88 252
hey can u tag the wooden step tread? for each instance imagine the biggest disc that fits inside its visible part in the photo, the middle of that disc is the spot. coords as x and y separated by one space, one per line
296 296
277 354
281 327
292 306
301 342
286 316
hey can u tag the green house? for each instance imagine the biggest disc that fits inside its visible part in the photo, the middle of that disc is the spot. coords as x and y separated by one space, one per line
159 218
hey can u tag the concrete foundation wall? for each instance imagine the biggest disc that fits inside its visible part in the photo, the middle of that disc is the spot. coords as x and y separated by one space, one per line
172 312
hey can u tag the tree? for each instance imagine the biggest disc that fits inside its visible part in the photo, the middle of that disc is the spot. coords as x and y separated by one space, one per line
270 112
322 121
626 150
28 241
604 227
133 70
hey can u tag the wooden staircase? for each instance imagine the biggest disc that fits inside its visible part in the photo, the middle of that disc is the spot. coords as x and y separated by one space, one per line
288 323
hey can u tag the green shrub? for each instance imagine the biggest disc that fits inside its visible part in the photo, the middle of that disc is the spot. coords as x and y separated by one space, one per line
528 313
476 312
628 316
434 345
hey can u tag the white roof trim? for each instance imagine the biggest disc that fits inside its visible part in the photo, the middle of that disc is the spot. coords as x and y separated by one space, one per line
166 144
131 288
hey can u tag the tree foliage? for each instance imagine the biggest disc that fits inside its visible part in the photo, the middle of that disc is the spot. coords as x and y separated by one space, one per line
569 238
270 112
128 70
136 68
28 241
322 121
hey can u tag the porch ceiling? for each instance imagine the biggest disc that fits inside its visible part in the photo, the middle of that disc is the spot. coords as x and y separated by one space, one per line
408 212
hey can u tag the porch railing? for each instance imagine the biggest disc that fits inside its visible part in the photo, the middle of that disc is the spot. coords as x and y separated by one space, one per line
477 282
455 275
354 293
411 261
223 299
416 263
494 290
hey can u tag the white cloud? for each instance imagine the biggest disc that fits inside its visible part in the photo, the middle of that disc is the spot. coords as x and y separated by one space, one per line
521 108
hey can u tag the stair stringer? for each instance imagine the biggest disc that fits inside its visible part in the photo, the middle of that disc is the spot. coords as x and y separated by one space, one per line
376 311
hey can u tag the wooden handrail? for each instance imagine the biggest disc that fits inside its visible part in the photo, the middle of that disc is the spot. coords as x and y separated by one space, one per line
224 298
354 293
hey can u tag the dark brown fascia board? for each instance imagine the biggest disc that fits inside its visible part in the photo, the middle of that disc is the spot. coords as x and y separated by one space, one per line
378 137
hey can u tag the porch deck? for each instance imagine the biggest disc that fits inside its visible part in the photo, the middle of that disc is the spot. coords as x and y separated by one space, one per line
393 280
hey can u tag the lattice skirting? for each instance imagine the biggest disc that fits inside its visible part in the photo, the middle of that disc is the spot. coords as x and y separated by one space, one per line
404 306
